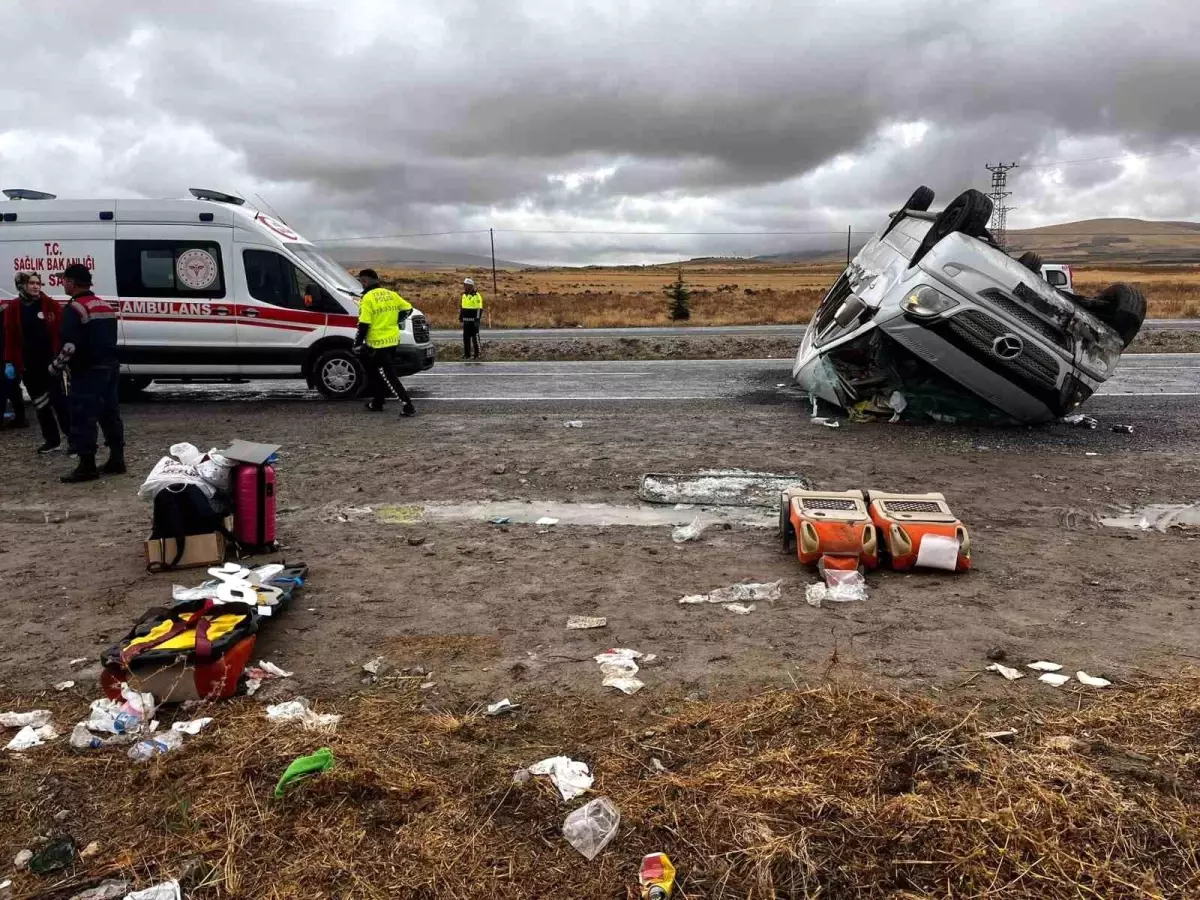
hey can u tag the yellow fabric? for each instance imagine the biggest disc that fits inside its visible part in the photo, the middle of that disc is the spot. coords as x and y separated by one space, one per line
218 627
381 308
472 301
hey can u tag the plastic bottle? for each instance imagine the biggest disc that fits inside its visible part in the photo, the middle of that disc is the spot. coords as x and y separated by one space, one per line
155 746
657 877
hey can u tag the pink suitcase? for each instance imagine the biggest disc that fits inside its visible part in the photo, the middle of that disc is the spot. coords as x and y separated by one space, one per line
254 506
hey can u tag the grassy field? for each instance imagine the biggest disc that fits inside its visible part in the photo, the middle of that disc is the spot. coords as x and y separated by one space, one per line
723 293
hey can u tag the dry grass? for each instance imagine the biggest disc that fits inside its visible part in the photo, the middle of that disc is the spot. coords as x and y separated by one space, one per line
824 792
722 294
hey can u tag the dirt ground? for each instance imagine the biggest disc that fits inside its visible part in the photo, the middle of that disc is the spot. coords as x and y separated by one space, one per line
484 607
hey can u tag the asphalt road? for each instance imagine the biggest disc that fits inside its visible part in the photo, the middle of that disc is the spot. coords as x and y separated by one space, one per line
765 331
1139 376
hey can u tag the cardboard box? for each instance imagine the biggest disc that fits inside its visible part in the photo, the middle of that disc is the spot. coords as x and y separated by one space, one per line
198 549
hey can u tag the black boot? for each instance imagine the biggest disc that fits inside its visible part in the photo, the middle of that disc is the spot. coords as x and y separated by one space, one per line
85 471
408 410
115 464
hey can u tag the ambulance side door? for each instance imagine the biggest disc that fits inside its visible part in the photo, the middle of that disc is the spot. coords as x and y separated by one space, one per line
277 325
177 301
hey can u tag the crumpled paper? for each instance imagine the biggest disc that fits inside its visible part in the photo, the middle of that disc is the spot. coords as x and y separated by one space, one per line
299 710
570 777
745 592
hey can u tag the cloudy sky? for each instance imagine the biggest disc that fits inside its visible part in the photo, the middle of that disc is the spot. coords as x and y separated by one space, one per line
542 117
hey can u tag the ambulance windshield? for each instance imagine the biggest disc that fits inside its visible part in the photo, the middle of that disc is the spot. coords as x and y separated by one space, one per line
327 268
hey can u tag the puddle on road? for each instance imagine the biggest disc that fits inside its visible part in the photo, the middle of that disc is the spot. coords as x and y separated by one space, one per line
520 512
722 487
1160 517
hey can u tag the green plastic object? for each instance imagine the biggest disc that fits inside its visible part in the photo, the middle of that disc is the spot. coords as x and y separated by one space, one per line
303 767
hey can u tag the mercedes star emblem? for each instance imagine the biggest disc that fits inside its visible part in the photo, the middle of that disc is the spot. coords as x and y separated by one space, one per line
1008 346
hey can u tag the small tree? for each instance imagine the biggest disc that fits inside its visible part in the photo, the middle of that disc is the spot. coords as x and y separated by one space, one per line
679 308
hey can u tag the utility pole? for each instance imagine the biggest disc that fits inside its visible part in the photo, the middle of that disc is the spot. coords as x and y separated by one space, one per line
492 236
849 229
999 194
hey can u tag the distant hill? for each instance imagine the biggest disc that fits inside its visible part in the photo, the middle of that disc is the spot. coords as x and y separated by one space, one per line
402 258
1125 241
1092 241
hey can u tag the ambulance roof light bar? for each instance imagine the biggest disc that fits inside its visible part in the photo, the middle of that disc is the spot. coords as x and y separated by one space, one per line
23 194
205 194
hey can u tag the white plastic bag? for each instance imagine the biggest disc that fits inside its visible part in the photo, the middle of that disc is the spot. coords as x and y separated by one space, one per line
570 777
685 533
167 472
590 828
216 470
187 454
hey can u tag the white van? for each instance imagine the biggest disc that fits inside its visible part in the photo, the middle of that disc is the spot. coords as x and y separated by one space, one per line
207 288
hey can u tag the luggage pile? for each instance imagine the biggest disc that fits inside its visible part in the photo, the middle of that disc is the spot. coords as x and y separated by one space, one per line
204 503
198 647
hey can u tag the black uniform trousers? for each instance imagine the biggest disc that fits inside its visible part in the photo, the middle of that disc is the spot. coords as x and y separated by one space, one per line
381 369
470 338
94 400
49 400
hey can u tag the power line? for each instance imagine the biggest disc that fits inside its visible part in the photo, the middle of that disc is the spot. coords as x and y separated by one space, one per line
1178 151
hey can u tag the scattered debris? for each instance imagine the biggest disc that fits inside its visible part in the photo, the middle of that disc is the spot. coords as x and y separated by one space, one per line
743 592
656 877
64 686
1055 679
416 540
34 719
740 608
1090 453
1122 429
570 777
21 861
79 661
500 520
1159 516
1091 680
574 423
155 745
997 654
723 487
844 586
264 671
590 828
128 717
29 737
1009 674
828 423
501 707
92 849
546 522
54 857
194 727
500 469
305 767
1080 421
1043 666
619 666
6 886
299 710
373 667
111 889
815 594
167 891
657 765
688 532
577 623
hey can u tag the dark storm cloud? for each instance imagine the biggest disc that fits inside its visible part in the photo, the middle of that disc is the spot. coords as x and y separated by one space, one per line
374 118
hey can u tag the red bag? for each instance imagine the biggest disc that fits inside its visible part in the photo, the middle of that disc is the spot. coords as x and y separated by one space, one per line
254 506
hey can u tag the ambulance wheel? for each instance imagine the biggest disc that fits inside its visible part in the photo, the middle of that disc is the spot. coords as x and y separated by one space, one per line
339 375
131 387
787 533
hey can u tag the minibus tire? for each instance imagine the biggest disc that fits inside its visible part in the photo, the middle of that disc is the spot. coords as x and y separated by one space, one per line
339 367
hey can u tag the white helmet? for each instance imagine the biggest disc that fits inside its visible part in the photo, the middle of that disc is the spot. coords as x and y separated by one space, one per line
469 282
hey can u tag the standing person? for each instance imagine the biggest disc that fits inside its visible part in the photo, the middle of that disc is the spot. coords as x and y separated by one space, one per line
32 338
380 312
10 380
89 349
471 316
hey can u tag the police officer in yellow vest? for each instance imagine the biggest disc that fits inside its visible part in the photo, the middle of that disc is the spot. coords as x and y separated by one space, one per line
471 316
380 315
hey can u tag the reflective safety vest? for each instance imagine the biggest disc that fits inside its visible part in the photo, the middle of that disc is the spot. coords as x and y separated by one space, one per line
472 301
381 309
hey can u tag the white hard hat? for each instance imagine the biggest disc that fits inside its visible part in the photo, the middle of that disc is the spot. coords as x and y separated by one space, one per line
470 281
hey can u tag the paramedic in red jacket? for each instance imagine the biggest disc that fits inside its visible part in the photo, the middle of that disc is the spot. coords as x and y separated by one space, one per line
89 349
32 326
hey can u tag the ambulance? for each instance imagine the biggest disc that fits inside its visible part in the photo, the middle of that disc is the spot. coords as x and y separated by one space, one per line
208 288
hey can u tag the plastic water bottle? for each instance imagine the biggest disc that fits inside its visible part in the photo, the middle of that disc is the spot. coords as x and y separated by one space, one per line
155 746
